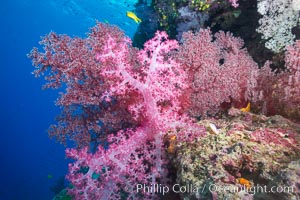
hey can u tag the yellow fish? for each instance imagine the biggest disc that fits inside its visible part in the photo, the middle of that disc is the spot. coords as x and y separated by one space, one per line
247 108
133 16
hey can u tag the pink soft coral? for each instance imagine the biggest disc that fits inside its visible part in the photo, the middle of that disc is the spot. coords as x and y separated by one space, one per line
134 155
220 69
157 80
291 79
129 161
280 92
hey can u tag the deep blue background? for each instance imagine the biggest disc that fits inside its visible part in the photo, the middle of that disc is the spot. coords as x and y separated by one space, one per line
27 154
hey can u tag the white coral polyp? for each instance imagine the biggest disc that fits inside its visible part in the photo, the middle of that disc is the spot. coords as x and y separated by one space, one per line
262 7
279 17
296 5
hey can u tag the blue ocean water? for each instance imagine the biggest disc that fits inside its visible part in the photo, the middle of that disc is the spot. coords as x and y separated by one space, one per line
31 163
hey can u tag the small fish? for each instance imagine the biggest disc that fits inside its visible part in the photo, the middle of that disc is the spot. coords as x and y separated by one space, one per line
49 176
247 108
133 16
173 138
172 145
244 182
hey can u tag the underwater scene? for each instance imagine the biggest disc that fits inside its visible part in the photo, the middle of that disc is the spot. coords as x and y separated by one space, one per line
150 99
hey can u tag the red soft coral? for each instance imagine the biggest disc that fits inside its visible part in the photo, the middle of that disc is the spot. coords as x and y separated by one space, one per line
71 63
280 93
291 79
220 70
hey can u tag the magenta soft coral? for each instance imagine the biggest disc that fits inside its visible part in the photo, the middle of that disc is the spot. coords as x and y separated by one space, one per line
135 155
158 81
115 171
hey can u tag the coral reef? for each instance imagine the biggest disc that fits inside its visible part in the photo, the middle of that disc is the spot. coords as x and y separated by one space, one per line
132 112
244 151
150 79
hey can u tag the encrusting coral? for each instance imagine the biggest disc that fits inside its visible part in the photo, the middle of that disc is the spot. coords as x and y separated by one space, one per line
244 152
